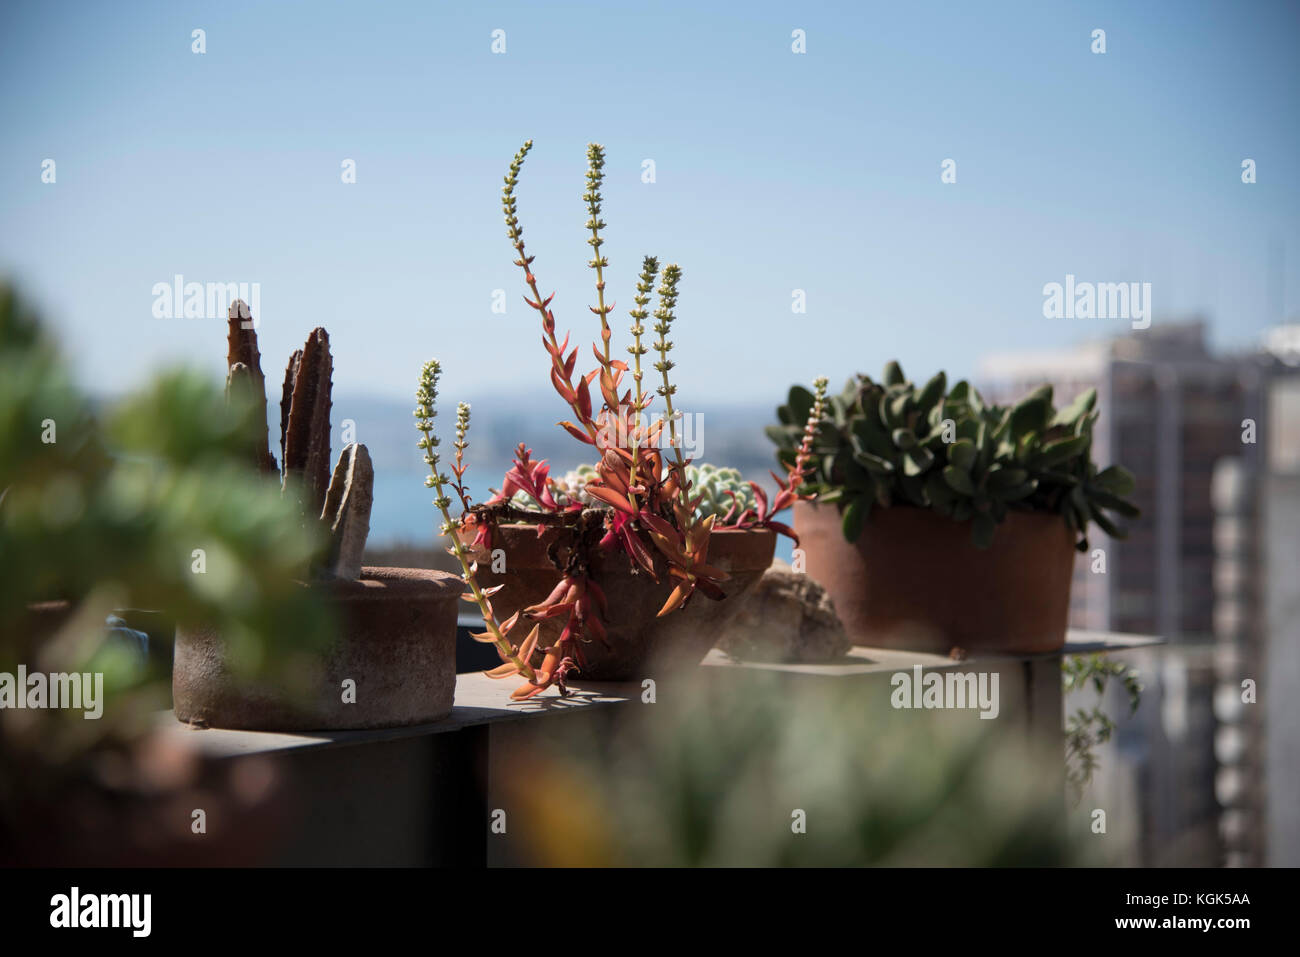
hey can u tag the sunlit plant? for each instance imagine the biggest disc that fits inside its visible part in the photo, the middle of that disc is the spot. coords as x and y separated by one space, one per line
895 443
640 486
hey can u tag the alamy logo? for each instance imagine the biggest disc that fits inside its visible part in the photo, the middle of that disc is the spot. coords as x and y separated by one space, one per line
1102 300
946 690
102 910
203 300
56 690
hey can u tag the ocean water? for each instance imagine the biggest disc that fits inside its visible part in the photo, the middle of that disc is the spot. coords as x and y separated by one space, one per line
403 512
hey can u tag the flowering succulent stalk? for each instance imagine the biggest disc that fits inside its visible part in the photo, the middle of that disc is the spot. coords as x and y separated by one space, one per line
462 429
426 396
762 513
645 499
645 284
800 470
595 177
672 274
578 397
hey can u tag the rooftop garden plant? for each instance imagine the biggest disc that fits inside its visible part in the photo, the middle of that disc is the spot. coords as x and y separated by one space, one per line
892 442
641 498
411 656
110 509
338 502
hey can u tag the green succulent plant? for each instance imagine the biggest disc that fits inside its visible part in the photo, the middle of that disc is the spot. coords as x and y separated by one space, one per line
717 486
891 443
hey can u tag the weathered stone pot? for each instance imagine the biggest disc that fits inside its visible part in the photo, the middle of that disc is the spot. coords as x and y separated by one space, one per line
396 640
641 645
915 580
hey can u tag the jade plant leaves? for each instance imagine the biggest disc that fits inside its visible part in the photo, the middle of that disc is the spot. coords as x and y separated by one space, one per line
890 443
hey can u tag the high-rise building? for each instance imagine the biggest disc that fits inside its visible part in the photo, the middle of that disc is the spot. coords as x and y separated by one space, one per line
1173 413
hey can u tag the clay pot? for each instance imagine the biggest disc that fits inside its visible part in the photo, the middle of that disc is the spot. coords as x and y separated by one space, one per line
641 645
915 580
396 640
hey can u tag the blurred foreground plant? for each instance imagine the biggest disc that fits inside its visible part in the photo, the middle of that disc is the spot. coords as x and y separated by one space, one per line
148 505
756 771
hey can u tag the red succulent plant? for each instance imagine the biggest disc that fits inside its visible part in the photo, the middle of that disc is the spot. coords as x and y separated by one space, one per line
648 510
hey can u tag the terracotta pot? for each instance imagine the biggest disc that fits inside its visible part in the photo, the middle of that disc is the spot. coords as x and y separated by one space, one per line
641 645
915 580
397 641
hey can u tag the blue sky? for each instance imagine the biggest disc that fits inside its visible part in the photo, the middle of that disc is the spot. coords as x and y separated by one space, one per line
775 172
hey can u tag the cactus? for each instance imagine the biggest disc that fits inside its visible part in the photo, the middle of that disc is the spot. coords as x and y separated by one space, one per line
241 352
890 443
340 500
347 509
306 435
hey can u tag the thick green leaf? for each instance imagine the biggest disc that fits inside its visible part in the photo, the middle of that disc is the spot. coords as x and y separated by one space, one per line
1002 478
1061 450
904 438
958 480
932 393
801 403
917 460
1070 415
962 454
1114 503
1029 415
874 463
1116 479
1107 525
898 408
855 514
